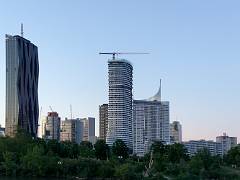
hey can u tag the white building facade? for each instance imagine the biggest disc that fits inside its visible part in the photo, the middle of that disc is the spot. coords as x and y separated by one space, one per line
89 129
150 123
120 102
194 146
226 142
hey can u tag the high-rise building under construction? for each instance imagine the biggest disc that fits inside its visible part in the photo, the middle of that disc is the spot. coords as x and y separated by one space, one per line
120 102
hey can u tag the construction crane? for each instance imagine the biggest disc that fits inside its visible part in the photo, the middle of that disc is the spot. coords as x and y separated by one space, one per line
50 107
117 53
40 115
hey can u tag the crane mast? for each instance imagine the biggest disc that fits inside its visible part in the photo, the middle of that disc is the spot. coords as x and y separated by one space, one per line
114 54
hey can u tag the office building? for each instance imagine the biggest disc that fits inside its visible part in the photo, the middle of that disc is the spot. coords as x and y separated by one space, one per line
120 102
175 132
227 142
51 126
71 130
89 129
103 121
22 70
150 123
194 146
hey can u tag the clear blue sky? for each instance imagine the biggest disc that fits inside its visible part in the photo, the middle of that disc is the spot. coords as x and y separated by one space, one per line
193 46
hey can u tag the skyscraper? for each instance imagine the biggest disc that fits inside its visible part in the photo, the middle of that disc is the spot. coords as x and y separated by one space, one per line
71 130
150 123
103 121
22 70
175 132
120 102
88 129
51 126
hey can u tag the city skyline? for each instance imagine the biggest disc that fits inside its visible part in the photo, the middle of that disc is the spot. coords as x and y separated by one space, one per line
196 58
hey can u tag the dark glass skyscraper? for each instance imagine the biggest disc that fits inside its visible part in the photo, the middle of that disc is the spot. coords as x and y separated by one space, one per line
22 70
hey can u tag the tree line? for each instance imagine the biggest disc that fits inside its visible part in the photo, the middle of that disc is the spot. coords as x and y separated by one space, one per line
24 156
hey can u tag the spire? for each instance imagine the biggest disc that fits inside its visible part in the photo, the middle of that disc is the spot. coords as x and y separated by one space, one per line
157 97
22 29
160 90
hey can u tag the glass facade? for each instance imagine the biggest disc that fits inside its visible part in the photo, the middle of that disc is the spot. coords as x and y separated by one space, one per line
22 70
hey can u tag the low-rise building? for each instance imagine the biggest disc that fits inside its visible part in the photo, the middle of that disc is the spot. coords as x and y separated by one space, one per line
194 146
227 142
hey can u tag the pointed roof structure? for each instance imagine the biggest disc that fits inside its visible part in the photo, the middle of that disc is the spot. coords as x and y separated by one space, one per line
157 97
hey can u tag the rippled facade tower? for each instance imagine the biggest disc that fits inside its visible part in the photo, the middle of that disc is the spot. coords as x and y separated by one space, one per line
22 70
120 102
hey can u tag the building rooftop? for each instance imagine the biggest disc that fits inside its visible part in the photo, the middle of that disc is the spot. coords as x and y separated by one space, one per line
119 60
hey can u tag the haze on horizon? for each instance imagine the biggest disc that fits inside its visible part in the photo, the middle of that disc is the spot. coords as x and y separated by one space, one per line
193 46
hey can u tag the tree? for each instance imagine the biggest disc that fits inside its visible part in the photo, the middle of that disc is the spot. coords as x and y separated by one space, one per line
86 149
9 163
53 146
233 156
195 165
34 163
205 156
177 152
127 171
101 150
158 147
120 149
86 144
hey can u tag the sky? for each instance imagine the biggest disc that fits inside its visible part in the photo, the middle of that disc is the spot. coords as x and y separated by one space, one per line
193 47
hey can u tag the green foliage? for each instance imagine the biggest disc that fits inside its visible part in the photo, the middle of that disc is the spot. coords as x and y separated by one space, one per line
233 157
158 147
101 150
120 149
24 156
177 152
128 171
86 149
9 163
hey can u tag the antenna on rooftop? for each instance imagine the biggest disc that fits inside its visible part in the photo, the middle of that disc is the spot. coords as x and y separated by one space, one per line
114 54
22 29
50 107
